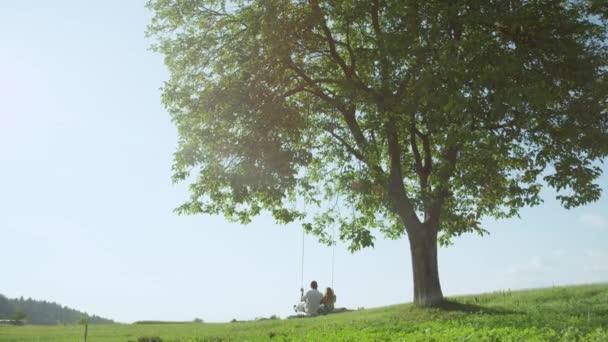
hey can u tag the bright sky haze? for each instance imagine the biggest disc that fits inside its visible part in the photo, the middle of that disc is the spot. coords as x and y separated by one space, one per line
86 200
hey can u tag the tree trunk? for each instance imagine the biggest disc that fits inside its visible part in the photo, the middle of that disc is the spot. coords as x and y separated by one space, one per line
423 247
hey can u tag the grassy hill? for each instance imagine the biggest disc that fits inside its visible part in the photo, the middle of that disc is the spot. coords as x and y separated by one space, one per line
578 313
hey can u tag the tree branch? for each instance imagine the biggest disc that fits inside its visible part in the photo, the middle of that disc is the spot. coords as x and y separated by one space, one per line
442 191
349 71
381 46
361 141
330 40
401 202
428 158
314 84
423 168
351 54
348 114
348 146
415 152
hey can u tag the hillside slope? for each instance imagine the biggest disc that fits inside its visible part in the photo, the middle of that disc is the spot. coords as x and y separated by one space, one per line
578 313
43 312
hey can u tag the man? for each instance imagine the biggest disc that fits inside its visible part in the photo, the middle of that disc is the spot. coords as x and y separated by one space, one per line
310 301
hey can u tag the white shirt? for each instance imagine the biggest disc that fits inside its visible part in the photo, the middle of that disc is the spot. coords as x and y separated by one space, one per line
312 298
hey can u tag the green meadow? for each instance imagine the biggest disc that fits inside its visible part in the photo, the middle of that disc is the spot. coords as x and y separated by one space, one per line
578 313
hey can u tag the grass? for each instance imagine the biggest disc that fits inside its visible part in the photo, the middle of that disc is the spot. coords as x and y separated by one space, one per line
577 313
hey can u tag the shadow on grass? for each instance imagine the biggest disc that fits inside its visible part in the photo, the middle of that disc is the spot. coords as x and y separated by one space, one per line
449 305
555 315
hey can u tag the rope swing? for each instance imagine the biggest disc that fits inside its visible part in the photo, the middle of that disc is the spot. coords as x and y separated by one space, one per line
302 277
333 253
307 103
333 256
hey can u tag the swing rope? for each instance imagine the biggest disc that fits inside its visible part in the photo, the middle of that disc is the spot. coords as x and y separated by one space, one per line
333 232
333 256
333 253
302 275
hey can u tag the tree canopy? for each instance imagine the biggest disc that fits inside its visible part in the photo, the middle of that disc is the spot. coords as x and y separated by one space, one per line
418 116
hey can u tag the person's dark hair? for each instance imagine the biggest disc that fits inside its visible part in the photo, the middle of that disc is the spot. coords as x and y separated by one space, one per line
313 284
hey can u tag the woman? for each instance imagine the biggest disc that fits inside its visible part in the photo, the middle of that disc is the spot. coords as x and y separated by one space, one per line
328 301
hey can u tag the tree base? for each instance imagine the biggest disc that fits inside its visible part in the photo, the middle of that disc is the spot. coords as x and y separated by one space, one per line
423 248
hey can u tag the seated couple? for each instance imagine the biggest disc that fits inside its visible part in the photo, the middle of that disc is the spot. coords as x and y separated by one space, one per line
313 302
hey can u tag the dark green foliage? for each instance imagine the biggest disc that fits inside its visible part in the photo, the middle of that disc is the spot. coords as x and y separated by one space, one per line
149 339
486 102
43 312
404 117
19 316
6 308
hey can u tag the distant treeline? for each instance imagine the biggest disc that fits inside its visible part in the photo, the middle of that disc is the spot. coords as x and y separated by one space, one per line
43 312
163 322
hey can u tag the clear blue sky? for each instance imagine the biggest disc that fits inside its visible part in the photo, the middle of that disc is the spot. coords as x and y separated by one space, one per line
86 200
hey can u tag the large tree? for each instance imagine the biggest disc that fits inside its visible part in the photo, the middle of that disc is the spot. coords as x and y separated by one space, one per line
422 117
